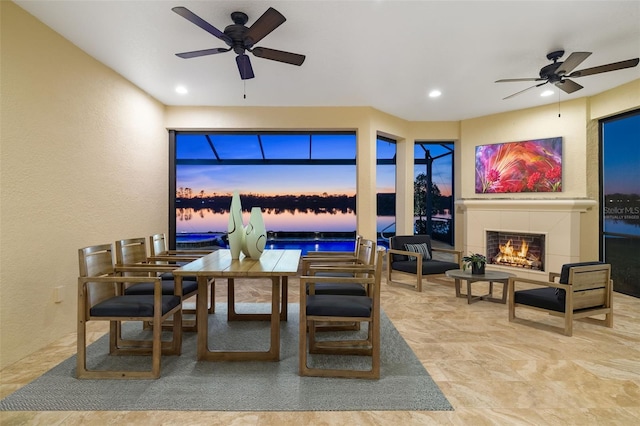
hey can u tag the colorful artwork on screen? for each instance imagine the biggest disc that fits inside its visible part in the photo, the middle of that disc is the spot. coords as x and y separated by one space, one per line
527 166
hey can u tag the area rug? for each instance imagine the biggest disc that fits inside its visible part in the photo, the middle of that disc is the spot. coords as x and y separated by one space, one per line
188 385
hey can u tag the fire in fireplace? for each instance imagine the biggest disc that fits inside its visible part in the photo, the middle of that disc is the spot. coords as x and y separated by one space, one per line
516 249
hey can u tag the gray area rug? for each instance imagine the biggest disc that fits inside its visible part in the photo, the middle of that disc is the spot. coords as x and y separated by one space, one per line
188 385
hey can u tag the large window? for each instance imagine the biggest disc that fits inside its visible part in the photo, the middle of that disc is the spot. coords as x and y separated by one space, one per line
620 186
386 187
304 181
433 190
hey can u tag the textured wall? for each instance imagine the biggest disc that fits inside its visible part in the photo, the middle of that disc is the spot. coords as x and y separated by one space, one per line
83 161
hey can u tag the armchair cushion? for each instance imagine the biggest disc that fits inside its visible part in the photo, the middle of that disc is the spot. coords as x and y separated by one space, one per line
421 248
339 306
132 306
167 288
544 298
428 266
339 289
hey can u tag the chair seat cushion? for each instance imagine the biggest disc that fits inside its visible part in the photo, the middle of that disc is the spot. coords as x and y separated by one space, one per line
545 298
132 306
352 289
339 306
428 266
169 276
167 288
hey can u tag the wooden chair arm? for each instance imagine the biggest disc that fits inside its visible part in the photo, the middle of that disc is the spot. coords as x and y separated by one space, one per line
328 253
340 268
404 252
513 280
553 276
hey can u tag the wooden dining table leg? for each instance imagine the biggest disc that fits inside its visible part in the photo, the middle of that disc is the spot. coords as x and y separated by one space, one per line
202 317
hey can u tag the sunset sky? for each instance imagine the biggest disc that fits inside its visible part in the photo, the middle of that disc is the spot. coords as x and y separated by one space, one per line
278 179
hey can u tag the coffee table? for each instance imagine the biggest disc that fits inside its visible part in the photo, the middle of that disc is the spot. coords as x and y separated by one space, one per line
489 276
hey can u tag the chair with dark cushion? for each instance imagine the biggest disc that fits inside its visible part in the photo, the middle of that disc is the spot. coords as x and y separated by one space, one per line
414 254
582 290
340 308
131 260
101 298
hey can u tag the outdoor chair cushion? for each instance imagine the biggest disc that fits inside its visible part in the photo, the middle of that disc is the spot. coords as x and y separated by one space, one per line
544 297
336 288
132 306
339 306
428 266
167 288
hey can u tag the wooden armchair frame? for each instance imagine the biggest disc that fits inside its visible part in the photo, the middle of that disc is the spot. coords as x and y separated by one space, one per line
101 289
324 307
588 292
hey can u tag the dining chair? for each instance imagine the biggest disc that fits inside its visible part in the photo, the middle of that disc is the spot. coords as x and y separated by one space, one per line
342 308
101 298
159 253
131 260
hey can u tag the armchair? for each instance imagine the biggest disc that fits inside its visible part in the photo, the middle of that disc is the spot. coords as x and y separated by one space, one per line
582 290
100 298
342 308
414 255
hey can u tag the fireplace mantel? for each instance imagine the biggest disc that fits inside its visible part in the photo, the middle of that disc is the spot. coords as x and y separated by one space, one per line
579 204
558 219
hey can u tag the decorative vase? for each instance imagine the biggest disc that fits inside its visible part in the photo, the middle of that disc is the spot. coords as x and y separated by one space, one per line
255 235
477 269
235 228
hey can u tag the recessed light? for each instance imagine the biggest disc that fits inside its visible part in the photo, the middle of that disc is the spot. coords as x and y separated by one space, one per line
547 93
182 90
434 93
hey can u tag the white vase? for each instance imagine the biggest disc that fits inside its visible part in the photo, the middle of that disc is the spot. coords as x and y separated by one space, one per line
255 236
235 227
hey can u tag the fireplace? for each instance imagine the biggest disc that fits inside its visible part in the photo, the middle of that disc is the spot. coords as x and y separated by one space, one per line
516 249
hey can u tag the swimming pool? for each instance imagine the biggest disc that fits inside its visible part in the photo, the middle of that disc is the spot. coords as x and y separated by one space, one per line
305 245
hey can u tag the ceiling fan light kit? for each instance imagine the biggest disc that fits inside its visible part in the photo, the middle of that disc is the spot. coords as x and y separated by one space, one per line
242 39
558 72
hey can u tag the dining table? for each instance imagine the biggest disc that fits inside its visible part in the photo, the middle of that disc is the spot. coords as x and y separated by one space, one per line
275 265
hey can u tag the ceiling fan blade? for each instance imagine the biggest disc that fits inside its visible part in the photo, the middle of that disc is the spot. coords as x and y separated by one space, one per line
568 86
197 53
244 66
629 63
279 55
522 91
269 21
508 80
192 17
575 59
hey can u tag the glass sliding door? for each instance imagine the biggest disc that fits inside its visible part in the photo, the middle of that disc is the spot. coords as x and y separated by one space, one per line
620 195
433 190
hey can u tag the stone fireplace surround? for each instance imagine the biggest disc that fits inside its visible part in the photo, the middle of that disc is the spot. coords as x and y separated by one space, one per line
557 219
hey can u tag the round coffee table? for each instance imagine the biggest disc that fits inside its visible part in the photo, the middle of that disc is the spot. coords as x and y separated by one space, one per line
489 276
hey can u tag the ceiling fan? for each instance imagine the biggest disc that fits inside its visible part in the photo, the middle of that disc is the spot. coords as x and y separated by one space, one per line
240 39
558 73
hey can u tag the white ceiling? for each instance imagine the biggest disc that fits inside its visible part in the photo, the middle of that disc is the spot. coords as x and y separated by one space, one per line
387 54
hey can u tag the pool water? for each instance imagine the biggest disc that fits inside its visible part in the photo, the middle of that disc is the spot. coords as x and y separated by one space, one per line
305 246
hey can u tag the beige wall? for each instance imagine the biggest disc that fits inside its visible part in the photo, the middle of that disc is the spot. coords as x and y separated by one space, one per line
84 161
